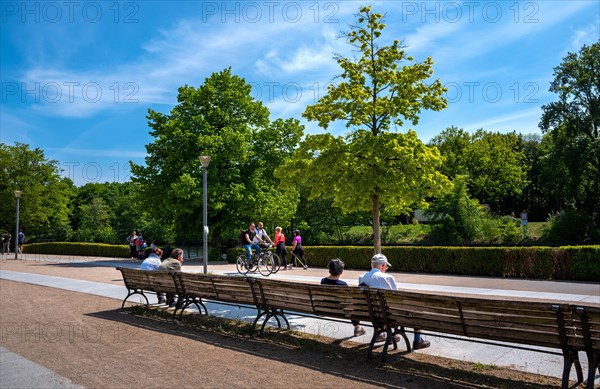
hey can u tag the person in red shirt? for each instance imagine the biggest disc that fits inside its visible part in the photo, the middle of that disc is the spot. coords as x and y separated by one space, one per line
280 249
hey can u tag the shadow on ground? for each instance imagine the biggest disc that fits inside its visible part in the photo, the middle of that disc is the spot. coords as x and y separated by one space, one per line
331 356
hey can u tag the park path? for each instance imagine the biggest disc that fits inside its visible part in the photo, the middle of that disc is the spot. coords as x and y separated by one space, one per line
98 277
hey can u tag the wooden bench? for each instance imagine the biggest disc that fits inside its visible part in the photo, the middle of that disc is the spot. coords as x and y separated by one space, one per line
139 281
159 282
570 328
553 325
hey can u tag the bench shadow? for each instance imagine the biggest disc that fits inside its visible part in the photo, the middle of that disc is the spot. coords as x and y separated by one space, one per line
347 361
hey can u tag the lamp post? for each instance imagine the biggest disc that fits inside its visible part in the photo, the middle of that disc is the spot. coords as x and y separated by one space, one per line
18 194
204 161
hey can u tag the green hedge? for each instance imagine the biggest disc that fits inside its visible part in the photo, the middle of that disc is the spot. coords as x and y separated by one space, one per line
74 248
559 263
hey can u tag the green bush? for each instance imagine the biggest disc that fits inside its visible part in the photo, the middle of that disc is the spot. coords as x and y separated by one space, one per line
83 249
571 227
561 263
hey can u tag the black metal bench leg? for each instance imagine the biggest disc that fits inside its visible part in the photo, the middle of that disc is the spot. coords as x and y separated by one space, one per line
264 324
389 339
135 292
199 304
594 364
376 333
403 333
571 358
258 316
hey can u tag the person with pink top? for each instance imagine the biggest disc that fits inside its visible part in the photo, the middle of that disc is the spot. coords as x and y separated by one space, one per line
297 249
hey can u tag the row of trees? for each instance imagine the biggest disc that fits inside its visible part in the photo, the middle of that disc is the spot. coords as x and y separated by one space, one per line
265 169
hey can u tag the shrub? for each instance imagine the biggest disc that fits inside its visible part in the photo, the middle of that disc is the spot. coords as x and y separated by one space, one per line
576 263
570 227
84 249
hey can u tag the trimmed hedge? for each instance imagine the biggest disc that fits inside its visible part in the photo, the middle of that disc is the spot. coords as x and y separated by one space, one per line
75 248
559 263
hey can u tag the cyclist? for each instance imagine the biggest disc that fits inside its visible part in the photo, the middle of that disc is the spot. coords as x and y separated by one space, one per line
261 235
248 244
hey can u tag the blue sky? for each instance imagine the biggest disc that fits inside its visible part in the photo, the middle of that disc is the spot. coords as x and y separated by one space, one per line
78 77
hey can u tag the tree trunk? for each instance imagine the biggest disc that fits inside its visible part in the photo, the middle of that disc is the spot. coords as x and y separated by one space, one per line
376 225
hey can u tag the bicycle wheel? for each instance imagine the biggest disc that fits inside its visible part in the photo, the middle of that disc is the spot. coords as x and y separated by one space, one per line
276 263
240 264
265 264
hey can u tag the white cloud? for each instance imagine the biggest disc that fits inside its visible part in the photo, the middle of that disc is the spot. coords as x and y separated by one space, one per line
523 121
585 35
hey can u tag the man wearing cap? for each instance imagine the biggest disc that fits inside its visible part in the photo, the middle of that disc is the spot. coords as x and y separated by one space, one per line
377 278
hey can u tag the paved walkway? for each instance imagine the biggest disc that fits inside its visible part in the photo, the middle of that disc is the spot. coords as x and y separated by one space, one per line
19 372
530 361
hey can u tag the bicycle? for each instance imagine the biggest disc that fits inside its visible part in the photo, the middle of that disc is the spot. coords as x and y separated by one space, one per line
265 263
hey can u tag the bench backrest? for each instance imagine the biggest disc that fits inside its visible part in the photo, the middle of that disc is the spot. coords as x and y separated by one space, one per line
533 323
339 301
154 281
321 300
585 333
161 281
197 285
234 290
284 295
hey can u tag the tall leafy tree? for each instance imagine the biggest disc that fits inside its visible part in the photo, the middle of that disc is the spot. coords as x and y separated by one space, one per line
493 162
220 118
372 166
44 210
95 222
573 123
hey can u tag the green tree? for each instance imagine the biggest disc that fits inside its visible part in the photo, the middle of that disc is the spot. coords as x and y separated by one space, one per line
44 210
95 222
371 166
572 133
494 163
452 144
461 219
221 119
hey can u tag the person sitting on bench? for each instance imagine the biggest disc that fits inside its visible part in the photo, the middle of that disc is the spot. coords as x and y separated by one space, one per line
172 264
377 278
336 268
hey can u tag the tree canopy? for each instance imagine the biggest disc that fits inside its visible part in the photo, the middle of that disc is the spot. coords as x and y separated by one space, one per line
221 119
573 126
372 166
494 164
45 200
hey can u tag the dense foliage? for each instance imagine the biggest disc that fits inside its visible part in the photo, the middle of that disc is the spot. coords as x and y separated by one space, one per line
220 119
44 204
559 263
372 166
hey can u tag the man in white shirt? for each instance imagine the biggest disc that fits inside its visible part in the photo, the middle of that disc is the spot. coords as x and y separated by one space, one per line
377 278
261 234
152 263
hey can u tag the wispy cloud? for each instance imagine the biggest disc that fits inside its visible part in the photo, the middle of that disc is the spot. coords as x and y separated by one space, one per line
97 153
584 35
525 120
